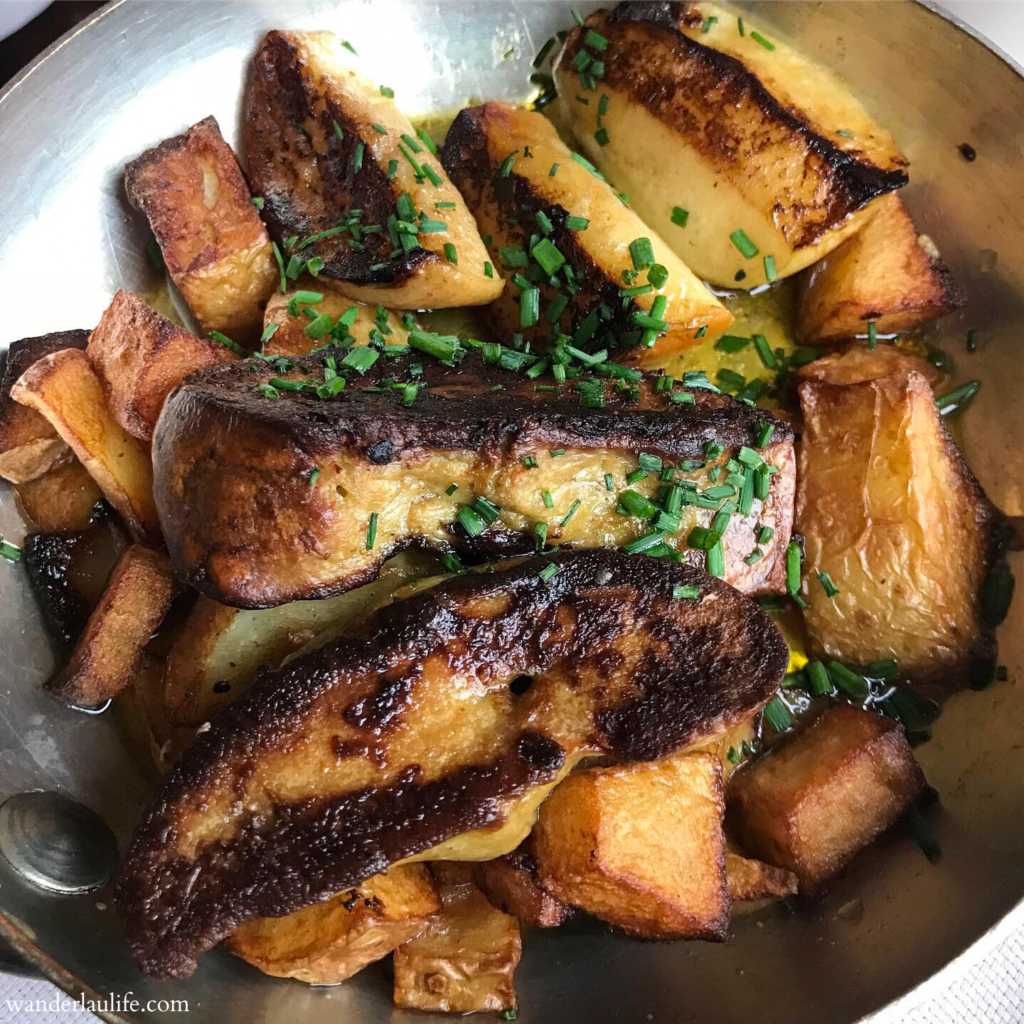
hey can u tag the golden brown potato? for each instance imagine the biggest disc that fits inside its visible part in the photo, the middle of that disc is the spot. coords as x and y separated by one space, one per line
731 152
29 446
640 846
316 156
887 274
511 884
104 660
220 649
821 796
465 958
507 205
856 363
289 337
139 356
214 244
62 500
754 880
65 389
889 510
329 942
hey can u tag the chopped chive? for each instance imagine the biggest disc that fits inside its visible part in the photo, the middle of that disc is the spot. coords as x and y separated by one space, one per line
268 332
958 398
318 327
371 532
972 341
530 461
845 132
731 343
684 591
357 161
850 682
379 129
450 253
427 141
314 475
348 46
549 502
506 165
765 352
471 521
716 561
680 216
279 259
644 543
776 714
529 307
224 340
707 23
769 268
547 254
488 269
739 27
996 594
701 331
595 40
258 202
758 38
451 489
817 674
764 534
540 534
827 584
360 359
657 275
764 434
601 137
636 504
744 244
572 511
872 334
10 552
545 574
642 253
793 559
387 92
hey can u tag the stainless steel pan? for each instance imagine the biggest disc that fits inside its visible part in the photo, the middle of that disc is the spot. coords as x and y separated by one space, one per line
139 71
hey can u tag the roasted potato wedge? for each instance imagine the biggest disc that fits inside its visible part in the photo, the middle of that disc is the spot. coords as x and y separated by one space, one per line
417 740
29 446
139 356
363 475
221 649
754 880
856 363
104 660
890 511
749 145
510 201
512 884
818 798
62 500
64 388
887 274
316 155
331 941
640 846
290 336
69 571
213 242
465 959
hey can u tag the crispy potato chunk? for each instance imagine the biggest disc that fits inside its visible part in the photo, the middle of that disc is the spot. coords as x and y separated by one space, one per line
887 273
888 508
29 446
139 356
104 660
856 363
61 500
465 959
754 880
64 387
512 884
331 941
290 338
640 846
817 799
750 146
214 244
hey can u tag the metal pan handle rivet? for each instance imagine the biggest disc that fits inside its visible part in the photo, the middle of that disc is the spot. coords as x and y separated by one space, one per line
56 843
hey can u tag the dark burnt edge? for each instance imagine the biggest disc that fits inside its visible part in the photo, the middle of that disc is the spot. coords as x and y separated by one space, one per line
278 701
21 354
133 168
378 427
276 67
855 182
516 199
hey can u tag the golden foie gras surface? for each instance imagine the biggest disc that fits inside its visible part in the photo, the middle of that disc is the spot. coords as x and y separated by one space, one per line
267 500
370 752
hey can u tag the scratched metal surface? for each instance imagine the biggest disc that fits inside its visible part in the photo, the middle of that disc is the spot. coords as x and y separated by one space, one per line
141 71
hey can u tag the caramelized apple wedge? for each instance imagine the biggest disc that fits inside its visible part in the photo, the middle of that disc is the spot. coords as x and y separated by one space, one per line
551 218
412 744
323 143
734 154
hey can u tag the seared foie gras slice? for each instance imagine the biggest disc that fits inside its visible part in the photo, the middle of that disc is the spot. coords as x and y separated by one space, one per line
732 152
321 142
412 744
551 221
271 499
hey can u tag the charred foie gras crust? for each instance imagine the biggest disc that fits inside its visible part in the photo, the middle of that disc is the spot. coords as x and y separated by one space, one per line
221 449
29 446
802 189
297 91
372 769
507 205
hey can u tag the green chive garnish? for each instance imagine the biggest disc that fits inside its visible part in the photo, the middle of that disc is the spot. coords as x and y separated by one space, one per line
758 38
10 552
683 591
744 244
793 568
450 254
545 574
958 398
471 521
776 714
371 532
